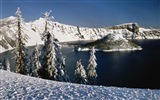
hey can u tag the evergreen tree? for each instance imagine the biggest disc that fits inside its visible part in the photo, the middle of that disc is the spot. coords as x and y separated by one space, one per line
27 62
60 63
7 65
4 64
21 56
92 75
1 65
16 56
58 60
47 19
80 74
48 69
36 65
48 58
62 76
44 35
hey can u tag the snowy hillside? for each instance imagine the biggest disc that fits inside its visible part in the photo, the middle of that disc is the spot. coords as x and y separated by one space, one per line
8 34
64 33
18 87
134 31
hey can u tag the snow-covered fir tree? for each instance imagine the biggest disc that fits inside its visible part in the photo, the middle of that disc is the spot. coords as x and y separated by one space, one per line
21 56
62 76
58 59
48 55
36 65
16 56
19 46
27 62
2 65
44 34
92 75
47 19
80 74
7 65
65 77
48 69
60 63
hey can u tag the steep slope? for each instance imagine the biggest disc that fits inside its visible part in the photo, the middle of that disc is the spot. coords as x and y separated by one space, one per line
134 31
111 42
8 34
67 32
17 87
33 30
64 33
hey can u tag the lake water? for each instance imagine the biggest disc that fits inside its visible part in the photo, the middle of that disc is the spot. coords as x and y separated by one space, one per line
133 69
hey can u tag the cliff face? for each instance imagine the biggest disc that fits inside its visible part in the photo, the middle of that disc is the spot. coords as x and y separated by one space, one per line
9 32
133 27
134 31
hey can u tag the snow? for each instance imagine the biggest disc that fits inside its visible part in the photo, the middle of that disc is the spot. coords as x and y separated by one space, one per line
3 49
115 36
65 33
143 29
129 49
10 18
34 37
19 87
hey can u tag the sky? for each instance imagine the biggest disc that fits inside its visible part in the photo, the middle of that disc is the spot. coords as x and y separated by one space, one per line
87 13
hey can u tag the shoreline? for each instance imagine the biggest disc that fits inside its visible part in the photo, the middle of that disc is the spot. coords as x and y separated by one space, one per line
111 50
2 50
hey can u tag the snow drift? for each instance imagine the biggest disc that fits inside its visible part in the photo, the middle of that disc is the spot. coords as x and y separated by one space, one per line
19 87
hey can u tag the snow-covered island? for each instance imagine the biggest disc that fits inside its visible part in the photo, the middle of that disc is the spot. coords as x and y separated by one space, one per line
19 87
111 42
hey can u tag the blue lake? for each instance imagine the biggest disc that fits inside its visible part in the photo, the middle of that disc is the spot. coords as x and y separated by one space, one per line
134 69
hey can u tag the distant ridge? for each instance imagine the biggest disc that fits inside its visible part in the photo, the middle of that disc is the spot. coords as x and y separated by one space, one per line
64 33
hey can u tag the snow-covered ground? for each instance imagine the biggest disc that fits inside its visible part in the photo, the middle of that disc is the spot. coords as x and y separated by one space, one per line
19 87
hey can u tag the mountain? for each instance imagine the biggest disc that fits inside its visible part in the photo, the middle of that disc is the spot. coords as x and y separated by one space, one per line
111 42
134 31
32 32
20 87
9 32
